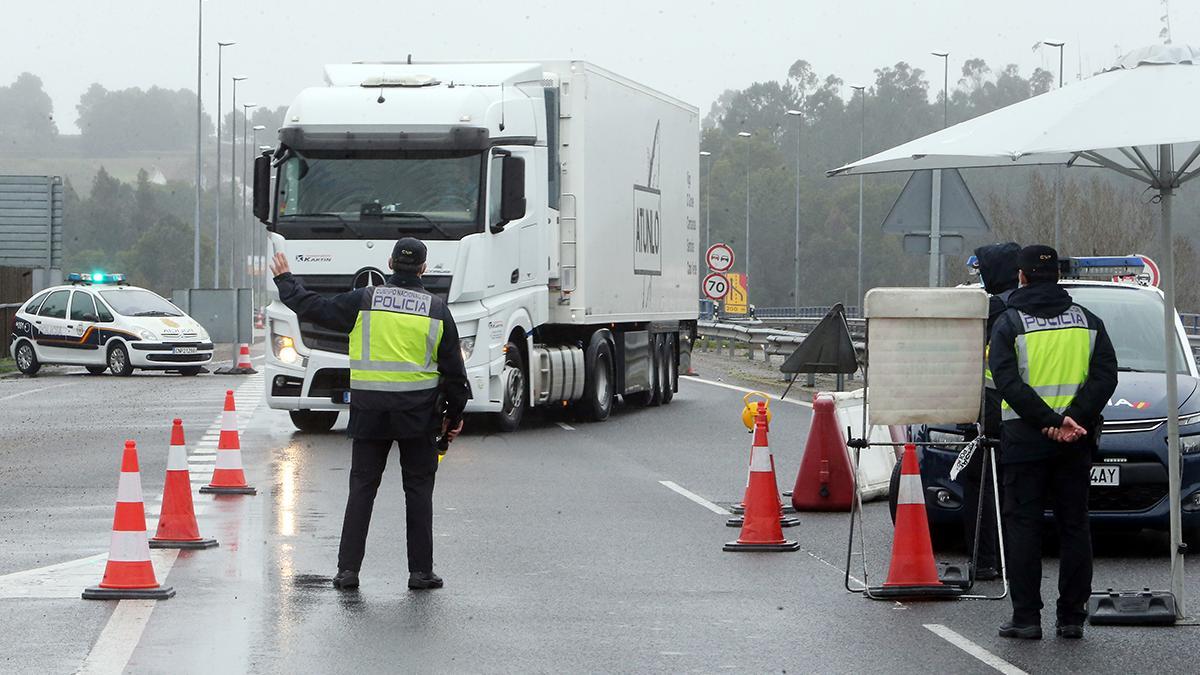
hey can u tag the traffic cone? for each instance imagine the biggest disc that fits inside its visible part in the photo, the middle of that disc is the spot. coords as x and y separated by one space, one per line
912 572
228 476
826 478
177 526
242 366
129 574
761 530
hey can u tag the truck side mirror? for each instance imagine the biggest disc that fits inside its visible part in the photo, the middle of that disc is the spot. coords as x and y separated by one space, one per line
262 188
512 189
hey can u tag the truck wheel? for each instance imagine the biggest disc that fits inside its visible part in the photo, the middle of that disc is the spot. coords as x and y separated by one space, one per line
313 421
118 361
656 368
598 388
514 403
669 370
27 360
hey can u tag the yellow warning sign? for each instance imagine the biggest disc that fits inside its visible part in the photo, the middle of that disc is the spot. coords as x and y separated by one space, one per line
737 300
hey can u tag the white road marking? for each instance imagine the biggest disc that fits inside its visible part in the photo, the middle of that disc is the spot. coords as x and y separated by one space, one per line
68 579
34 391
671 485
806 404
124 629
974 650
566 426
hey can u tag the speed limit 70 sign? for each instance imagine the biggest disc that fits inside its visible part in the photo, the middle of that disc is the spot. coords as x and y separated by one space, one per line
715 286
719 257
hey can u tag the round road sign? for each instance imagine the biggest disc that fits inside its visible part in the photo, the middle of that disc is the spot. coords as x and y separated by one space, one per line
719 257
1151 269
716 286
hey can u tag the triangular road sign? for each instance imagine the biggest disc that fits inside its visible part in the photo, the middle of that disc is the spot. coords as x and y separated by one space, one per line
827 349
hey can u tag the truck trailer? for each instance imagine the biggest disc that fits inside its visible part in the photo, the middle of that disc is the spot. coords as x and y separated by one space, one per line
558 203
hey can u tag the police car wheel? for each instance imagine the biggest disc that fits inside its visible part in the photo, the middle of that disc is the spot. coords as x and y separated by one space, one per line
894 491
96 370
118 361
313 421
513 406
27 360
189 371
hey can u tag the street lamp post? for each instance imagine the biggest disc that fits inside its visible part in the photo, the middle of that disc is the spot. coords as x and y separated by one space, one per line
796 253
199 139
1057 169
217 189
862 132
233 170
706 155
935 225
747 134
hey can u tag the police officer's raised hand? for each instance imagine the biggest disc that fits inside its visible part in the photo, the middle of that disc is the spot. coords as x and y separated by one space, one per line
279 265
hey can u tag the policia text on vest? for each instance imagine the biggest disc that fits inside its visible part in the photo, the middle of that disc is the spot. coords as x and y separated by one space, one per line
407 383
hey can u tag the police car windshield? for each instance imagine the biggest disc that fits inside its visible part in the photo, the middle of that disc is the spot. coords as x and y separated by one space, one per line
380 194
138 302
1134 321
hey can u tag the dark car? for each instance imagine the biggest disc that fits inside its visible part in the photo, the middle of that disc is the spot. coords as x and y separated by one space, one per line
1129 474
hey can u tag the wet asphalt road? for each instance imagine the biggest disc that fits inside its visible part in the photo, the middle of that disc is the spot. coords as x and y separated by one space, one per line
561 550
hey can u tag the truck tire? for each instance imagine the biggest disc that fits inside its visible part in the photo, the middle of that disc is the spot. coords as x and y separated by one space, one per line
596 404
669 369
656 367
313 421
27 360
514 403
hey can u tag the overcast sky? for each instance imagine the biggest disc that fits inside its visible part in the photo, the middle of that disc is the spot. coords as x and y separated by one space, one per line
691 49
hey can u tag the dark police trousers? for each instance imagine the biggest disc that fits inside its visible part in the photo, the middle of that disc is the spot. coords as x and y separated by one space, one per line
1061 483
418 465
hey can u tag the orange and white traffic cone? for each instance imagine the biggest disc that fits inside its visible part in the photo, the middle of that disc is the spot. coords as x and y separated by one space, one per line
129 574
177 526
242 365
228 476
760 528
912 572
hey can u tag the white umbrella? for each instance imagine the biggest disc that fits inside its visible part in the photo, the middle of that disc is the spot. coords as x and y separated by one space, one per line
1139 119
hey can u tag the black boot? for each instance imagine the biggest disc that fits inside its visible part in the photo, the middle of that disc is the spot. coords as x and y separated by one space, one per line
1070 631
1021 632
424 580
346 580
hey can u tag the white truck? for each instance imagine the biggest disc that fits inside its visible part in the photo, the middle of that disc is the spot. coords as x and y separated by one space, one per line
558 203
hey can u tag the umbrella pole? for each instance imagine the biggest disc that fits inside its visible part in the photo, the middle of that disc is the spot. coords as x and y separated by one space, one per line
1166 180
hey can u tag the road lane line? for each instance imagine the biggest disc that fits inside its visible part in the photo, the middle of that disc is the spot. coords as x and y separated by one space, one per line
974 650
121 634
734 387
34 391
671 485
566 426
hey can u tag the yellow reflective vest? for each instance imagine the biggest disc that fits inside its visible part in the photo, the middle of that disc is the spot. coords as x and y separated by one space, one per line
1053 356
394 342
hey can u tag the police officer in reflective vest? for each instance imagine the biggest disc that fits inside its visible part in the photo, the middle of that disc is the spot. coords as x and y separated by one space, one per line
1055 368
998 272
407 384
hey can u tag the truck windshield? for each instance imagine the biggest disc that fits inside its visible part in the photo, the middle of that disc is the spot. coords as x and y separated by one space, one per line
361 194
1134 319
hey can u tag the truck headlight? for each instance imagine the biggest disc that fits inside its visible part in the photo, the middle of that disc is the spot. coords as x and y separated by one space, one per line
467 347
285 349
147 335
1189 445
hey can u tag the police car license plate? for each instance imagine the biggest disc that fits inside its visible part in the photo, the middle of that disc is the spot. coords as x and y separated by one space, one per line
1106 475
184 350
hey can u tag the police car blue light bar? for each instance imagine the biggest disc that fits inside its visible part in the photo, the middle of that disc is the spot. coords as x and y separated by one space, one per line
95 278
1107 268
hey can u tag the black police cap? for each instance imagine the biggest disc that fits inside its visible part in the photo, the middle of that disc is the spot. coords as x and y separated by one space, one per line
409 252
1038 260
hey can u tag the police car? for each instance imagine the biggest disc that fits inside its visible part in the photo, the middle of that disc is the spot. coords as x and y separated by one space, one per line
1129 473
100 322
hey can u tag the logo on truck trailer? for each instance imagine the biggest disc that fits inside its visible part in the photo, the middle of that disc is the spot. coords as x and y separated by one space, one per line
647 217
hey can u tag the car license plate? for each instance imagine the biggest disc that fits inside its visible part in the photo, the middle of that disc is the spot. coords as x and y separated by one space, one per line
1106 475
184 350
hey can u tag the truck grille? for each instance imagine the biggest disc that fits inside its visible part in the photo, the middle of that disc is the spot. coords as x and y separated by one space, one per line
328 285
